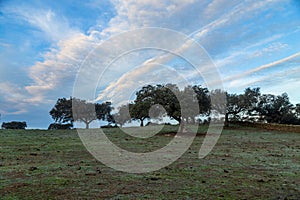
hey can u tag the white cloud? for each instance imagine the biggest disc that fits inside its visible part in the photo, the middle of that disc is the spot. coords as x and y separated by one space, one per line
12 101
150 74
270 49
206 20
264 67
245 53
54 27
4 44
274 78
283 81
241 11
60 65
184 16
136 14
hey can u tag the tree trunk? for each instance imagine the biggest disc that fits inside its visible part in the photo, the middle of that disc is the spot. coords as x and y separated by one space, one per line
226 120
193 120
142 122
181 125
87 125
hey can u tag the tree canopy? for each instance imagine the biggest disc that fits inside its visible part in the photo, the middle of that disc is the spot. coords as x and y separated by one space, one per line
73 109
62 111
277 109
178 104
123 115
183 105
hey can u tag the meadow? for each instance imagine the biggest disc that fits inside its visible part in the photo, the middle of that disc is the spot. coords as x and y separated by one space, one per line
246 163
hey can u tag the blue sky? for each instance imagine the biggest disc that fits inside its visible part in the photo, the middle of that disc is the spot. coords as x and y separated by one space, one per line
43 43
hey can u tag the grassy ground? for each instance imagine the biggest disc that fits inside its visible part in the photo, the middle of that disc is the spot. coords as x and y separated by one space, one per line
246 163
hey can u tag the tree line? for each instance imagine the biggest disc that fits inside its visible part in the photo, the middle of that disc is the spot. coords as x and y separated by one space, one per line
192 104
157 101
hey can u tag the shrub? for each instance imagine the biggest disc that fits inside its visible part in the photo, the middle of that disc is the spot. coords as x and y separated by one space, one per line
14 125
56 126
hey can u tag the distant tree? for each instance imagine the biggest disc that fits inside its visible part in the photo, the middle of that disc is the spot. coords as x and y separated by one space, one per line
297 109
168 96
82 111
56 126
140 111
62 111
218 101
189 104
145 98
164 95
237 105
202 95
103 112
14 125
180 105
123 115
276 109
250 99
87 112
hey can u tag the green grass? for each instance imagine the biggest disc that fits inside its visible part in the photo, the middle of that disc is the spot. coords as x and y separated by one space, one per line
246 163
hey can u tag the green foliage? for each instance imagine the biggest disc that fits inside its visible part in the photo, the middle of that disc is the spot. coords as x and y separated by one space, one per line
185 105
140 111
243 104
297 109
179 105
57 126
84 111
123 115
150 96
73 109
168 97
62 111
103 111
14 125
155 101
238 106
202 95
218 101
276 109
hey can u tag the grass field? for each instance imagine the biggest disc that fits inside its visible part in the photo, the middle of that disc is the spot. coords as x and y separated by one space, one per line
246 163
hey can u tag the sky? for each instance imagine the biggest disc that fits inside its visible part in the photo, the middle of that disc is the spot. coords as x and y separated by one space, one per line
45 45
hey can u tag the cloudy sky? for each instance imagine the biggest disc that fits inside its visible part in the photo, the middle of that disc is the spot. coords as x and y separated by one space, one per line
45 44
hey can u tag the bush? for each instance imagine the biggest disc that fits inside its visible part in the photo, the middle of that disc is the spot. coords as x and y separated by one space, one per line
56 126
14 125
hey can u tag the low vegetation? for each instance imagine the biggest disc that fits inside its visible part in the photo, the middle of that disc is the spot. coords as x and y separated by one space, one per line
246 163
13 125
